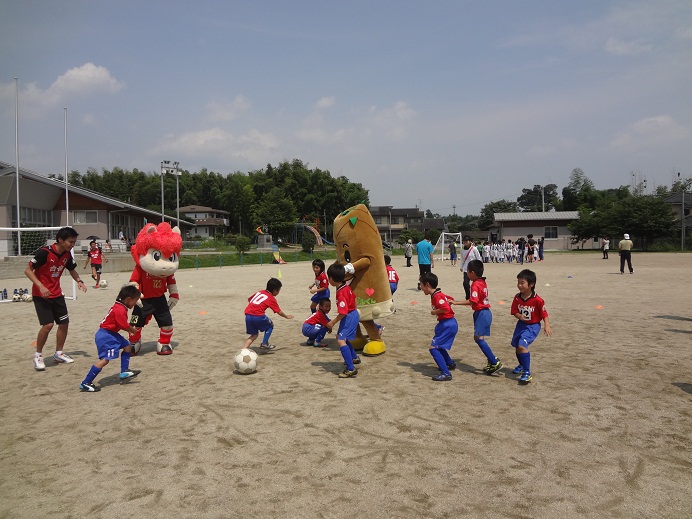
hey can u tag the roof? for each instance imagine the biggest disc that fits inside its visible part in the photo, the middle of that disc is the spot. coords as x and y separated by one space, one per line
532 217
201 209
676 198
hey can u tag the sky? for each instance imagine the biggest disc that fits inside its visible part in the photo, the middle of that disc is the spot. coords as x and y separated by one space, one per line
442 105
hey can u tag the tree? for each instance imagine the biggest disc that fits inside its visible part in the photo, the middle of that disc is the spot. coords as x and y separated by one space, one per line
487 216
577 192
410 234
276 212
538 199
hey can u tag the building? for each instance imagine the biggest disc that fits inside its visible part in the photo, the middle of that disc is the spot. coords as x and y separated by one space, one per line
391 221
551 225
208 222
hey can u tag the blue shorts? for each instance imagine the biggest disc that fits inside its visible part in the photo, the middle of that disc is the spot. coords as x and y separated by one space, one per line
525 334
257 323
445 332
318 296
482 319
315 332
109 344
393 287
348 326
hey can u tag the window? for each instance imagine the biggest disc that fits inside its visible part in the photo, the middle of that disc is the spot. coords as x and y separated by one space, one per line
83 217
378 220
395 220
32 217
550 232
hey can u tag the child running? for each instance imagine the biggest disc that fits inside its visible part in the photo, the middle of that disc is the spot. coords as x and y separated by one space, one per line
109 342
529 309
255 319
320 288
445 330
316 326
347 318
96 256
482 316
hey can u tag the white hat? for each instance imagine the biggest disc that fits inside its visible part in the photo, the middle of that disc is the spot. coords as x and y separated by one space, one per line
627 236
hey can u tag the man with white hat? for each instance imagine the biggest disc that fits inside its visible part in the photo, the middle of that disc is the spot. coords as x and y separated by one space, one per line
625 248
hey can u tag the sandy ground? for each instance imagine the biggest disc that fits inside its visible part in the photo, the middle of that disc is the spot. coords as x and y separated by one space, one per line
604 430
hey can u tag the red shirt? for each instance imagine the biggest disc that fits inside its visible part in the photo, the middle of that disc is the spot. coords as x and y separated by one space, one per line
48 266
392 275
319 317
151 286
345 299
96 256
479 295
439 300
533 309
116 318
322 281
260 301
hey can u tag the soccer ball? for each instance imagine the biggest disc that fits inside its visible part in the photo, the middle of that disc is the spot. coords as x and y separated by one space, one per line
245 361
103 283
16 297
27 298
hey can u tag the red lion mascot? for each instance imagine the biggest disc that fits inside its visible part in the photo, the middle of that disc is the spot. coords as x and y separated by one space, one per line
156 253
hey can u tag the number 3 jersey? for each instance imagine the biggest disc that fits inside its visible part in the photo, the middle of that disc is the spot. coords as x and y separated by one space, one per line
533 308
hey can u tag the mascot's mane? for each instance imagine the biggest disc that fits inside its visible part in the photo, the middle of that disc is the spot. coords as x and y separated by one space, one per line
160 237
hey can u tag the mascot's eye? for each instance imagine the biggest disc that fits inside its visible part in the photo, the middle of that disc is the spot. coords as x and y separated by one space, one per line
156 255
173 258
347 256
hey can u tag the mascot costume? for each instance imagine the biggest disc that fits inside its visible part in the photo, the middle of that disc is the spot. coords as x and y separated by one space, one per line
359 248
156 253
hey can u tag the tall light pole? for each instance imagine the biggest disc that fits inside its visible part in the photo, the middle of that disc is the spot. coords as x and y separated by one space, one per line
171 167
682 217
164 169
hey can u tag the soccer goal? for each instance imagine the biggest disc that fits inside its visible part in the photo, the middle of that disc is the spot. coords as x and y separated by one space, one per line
17 247
441 251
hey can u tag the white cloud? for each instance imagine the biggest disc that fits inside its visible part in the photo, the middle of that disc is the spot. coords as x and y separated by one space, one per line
650 132
623 48
228 111
325 102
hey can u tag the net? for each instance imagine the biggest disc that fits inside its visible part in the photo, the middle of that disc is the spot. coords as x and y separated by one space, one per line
441 251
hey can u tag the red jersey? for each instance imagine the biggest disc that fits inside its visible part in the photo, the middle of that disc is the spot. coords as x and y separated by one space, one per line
532 309
96 256
392 275
151 286
345 299
116 318
479 295
48 266
319 317
260 301
322 281
439 300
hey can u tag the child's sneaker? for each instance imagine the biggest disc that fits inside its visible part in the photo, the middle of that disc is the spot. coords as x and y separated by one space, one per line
89 388
311 342
356 360
320 345
130 373
442 377
39 364
492 368
525 377
348 373
267 347
452 366
518 369
61 358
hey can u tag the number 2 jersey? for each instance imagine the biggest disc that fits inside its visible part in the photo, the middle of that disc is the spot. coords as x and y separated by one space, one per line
533 308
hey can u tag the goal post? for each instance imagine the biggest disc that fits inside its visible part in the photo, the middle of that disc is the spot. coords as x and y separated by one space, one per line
441 252
17 247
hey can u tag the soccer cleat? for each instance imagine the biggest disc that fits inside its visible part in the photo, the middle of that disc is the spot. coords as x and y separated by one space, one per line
492 368
267 347
451 366
39 364
61 358
518 369
525 377
130 373
93 277
320 345
442 377
311 342
356 360
88 388
348 373
96 286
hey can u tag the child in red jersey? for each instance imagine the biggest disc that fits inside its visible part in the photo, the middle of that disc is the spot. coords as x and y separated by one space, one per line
446 328
529 309
392 276
320 288
347 318
45 270
255 319
97 258
316 326
109 342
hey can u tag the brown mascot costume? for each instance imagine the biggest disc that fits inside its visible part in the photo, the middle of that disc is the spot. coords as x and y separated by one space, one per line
359 248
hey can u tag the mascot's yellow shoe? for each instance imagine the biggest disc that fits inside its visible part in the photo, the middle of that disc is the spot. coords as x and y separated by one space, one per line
359 343
374 348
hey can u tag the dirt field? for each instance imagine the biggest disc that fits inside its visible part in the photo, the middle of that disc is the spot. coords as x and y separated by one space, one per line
604 429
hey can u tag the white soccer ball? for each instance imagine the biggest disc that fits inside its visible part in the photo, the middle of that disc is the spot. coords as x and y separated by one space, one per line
16 297
245 361
103 283
27 298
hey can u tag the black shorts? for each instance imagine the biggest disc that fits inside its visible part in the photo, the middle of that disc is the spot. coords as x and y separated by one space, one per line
158 307
96 267
51 310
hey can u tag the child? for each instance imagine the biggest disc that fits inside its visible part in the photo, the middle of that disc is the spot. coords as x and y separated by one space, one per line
320 288
529 309
445 330
97 258
391 274
44 271
256 321
347 318
109 342
482 316
316 326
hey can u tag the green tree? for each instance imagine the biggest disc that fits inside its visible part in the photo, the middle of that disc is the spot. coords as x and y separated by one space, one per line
242 243
533 199
410 234
276 212
488 211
